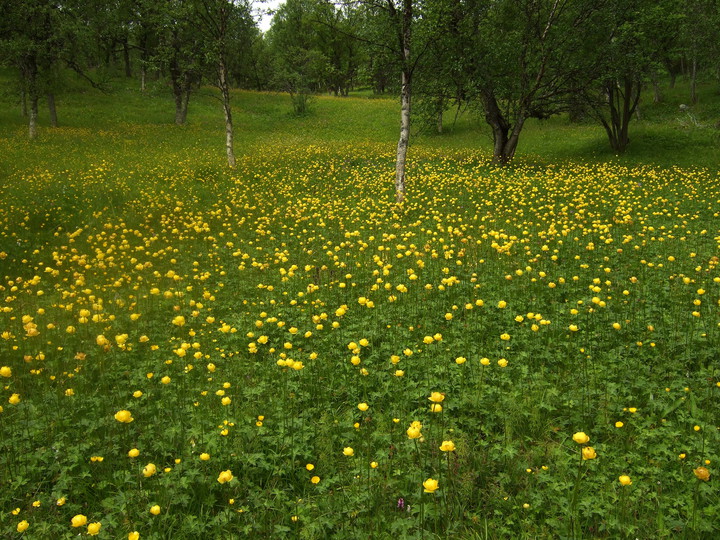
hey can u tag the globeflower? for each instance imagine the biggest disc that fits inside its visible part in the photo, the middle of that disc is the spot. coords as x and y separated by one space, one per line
625 480
436 397
430 485
155 509
94 528
702 474
581 438
588 452
124 416
348 451
225 476
134 535
413 432
78 520
22 526
447 446
14 399
363 406
149 470
5 371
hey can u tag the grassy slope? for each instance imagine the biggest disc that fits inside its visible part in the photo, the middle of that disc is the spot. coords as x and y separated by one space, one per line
120 124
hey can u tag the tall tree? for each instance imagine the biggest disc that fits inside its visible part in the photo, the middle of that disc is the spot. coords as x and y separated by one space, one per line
34 37
220 20
621 50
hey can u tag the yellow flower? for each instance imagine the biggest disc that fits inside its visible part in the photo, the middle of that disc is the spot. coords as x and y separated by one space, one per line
315 479
505 337
165 380
502 304
78 520
225 476
436 397
625 480
133 452
69 392
581 438
155 509
22 526
134 535
149 470
5 371
137 394
573 328
619 424
702 474
447 446
348 451
460 360
436 408
588 452
124 416
485 361
309 466
179 320
204 456
363 406
373 464
413 432
94 528
61 501
502 362
14 399
430 485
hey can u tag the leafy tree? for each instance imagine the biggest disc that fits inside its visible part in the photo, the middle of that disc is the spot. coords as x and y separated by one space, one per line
620 53
36 36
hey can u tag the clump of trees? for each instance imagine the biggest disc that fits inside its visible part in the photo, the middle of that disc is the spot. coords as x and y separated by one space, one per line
511 60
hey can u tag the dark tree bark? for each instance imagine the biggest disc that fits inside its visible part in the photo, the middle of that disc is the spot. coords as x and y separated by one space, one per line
23 103
51 109
693 81
126 58
505 135
623 97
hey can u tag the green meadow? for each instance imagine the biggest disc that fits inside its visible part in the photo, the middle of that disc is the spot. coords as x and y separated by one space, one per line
282 351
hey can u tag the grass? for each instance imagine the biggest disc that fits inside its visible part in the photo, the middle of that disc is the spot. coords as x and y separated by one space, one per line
280 350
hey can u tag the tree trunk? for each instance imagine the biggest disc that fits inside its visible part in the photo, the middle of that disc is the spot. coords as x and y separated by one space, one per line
51 109
126 59
143 75
439 119
225 91
185 103
23 103
623 103
32 125
404 141
404 29
693 81
504 143
178 95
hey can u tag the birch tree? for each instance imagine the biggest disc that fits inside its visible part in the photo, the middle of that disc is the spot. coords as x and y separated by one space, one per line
217 18
402 15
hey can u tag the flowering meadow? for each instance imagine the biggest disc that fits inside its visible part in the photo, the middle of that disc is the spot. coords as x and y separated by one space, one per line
281 350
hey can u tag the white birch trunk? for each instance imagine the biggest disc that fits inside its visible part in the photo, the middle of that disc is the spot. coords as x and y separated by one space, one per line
225 90
402 146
